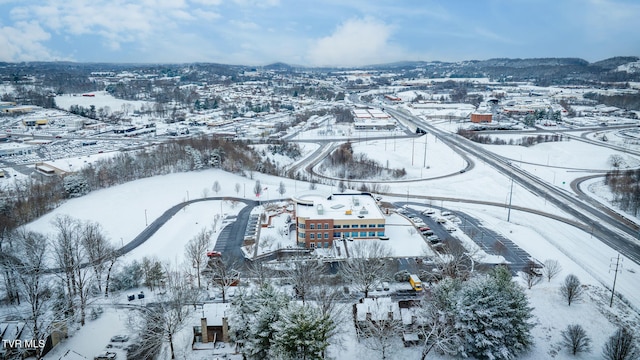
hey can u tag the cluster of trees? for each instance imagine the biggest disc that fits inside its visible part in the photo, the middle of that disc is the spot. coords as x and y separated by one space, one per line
625 187
347 165
52 277
539 115
289 149
28 199
523 141
487 317
85 112
30 95
628 101
268 324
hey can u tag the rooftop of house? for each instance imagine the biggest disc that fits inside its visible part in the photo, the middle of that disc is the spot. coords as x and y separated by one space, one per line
214 312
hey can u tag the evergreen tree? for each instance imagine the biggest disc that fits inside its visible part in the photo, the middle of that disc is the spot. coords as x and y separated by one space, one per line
264 311
493 314
301 333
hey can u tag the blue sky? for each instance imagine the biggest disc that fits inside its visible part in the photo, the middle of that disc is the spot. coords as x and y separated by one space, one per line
315 33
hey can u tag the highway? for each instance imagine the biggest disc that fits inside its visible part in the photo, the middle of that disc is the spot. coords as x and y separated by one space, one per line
619 234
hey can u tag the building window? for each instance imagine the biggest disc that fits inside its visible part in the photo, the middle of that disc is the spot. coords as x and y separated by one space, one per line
335 226
312 226
326 235
372 233
301 235
380 225
301 225
336 235
326 226
326 244
346 226
313 245
372 225
363 226
319 236
380 233
363 233
312 236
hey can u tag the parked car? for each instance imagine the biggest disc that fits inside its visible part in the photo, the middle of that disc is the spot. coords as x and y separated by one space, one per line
434 239
385 286
428 232
212 253
120 338
441 220
429 212
450 228
106 355
424 228
446 213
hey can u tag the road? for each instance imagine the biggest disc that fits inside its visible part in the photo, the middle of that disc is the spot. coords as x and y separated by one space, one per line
619 235
230 244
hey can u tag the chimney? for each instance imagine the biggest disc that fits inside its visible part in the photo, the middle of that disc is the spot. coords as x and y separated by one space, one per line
205 335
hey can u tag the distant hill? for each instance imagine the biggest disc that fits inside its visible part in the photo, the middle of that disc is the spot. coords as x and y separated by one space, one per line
614 62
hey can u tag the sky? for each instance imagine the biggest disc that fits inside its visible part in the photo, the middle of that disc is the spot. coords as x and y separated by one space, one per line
344 33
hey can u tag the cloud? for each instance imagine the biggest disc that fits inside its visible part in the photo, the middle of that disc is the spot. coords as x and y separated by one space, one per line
358 41
24 42
606 17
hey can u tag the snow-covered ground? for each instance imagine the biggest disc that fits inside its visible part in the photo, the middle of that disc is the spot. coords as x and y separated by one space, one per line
99 100
543 238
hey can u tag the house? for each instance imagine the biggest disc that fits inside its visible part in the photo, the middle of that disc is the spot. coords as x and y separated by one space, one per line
384 312
213 328
322 220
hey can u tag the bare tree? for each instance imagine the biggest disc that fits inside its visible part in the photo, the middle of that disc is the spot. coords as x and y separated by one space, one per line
458 263
222 272
571 290
260 272
281 188
531 274
435 320
380 330
98 249
237 189
34 284
367 266
551 269
168 316
82 274
304 275
257 188
196 252
64 245
621 346
216 187
575 338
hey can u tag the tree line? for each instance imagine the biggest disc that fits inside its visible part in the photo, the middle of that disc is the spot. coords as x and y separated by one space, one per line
523 141
28 199
625 186
349 165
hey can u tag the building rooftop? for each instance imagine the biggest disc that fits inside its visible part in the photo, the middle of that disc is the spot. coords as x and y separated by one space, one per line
214 312
338 206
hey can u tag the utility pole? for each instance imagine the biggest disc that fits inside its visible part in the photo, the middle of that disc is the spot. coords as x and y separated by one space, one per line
424 164
615 277
413 145
510 197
